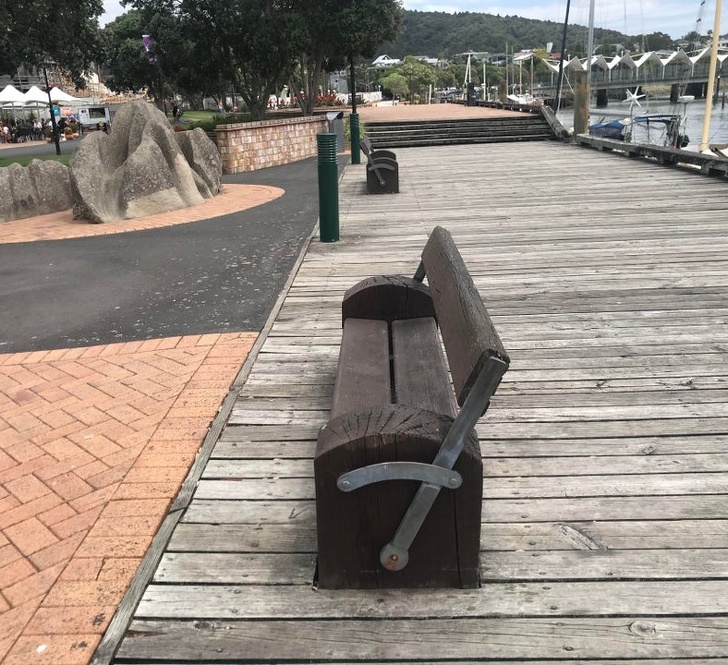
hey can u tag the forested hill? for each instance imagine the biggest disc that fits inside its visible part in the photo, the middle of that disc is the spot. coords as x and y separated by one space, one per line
438 34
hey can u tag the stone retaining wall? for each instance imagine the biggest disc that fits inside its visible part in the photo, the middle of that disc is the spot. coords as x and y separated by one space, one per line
257 145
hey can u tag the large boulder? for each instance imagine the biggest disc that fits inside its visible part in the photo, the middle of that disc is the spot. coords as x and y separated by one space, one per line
40 188
142 168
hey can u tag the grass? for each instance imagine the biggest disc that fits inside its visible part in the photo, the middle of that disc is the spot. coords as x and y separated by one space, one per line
198 116
24 161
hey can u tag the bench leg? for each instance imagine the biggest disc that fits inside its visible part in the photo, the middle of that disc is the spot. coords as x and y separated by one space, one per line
383 180
353 527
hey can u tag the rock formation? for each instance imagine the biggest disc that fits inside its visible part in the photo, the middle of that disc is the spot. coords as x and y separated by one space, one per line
40 188
142 167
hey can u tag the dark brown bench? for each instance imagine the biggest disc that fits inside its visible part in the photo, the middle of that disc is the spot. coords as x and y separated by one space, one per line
396 437
382 169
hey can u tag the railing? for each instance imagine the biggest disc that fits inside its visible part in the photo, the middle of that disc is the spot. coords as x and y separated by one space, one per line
701 163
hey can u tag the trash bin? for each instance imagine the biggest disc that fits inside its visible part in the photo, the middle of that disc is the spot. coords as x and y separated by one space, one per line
336 126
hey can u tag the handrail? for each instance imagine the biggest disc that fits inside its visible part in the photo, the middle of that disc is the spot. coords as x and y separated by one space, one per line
711 165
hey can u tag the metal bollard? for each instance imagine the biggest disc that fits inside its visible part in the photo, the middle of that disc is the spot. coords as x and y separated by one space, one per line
328 181
354 131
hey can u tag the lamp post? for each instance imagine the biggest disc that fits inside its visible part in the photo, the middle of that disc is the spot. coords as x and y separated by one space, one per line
354 118
54 127
560 80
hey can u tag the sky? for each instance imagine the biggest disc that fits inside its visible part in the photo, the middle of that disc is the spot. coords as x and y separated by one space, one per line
632 17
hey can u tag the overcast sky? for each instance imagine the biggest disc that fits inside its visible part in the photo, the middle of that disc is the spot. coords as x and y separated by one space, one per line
675 17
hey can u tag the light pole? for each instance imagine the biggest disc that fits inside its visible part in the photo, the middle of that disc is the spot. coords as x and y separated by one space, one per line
56 138
354 118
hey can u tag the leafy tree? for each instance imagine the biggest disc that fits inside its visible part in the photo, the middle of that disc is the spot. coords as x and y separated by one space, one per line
241 44
39 33
328 34
396 84
695 39
127 64
419 75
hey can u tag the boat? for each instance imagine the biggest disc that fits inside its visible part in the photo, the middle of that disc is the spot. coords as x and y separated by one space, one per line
525 100
622 129
673 123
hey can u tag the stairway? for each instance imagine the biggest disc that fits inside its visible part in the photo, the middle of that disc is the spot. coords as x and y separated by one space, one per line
529 127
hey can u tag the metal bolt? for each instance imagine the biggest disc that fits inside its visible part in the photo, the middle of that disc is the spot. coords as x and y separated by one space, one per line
394 557
453 481
344 484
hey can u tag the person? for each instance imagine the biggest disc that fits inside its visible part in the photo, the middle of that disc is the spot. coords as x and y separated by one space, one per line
175 113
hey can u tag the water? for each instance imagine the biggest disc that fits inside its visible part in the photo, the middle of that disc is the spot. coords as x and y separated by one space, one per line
693 120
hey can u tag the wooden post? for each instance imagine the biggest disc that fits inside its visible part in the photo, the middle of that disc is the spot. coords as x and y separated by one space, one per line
581 103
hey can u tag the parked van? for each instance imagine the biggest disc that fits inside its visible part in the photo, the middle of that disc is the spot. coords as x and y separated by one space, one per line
90 116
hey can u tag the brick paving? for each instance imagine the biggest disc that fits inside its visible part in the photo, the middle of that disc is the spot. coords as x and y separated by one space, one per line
94 445
61 225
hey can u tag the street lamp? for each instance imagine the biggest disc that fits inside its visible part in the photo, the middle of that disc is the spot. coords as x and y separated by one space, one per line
354 118
56 138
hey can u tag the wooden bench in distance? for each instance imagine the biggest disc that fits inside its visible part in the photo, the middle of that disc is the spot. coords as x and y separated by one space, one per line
382 169
396 437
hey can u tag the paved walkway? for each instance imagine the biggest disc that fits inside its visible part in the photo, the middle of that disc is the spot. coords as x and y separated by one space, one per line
94 444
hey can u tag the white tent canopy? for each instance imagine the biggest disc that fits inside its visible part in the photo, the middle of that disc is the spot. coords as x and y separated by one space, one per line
35 96
11 96
57 95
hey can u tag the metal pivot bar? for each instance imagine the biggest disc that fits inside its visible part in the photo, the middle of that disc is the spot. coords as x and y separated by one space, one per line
395 554
377 473
377 166
420 272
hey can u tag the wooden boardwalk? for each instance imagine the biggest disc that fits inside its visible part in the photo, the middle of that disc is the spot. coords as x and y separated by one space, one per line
605 534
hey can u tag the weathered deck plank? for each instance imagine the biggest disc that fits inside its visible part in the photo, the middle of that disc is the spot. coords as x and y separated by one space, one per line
605 531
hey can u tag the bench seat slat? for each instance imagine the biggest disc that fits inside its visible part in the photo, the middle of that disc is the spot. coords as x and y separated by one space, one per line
420 369
363 374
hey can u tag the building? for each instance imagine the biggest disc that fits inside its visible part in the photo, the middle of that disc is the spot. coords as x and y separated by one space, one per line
384 62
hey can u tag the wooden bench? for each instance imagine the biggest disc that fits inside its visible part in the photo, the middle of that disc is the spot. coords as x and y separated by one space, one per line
382 169
396 438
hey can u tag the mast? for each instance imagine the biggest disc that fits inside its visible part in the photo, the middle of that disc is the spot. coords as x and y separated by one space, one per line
560 80
589 54
711 76
507 91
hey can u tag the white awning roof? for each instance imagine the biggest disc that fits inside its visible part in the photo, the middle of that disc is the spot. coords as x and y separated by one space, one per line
11 96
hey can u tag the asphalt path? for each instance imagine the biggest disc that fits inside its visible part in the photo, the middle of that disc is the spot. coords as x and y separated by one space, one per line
218 275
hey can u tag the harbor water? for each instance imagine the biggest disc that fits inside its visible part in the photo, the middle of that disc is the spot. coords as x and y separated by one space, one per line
693 114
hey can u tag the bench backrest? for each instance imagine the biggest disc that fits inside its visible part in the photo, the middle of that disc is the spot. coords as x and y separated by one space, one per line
366 146
467 331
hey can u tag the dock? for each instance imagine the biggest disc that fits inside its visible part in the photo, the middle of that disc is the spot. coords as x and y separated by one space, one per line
605 506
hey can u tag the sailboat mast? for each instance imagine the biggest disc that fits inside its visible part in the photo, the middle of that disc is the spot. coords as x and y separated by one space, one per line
508 92
589 54
711 76
560 81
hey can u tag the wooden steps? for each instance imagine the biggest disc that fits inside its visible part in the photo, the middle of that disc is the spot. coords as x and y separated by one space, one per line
529 127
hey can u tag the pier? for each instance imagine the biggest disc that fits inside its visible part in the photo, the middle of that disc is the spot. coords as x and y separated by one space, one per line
605 530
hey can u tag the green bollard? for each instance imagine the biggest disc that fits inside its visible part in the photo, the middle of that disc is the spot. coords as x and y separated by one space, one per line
328 182
354 131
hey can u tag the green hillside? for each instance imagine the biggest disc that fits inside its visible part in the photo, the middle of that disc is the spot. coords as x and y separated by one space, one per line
438 34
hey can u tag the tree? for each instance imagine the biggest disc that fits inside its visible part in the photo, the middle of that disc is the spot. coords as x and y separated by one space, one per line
395 83
242 44
419 75
174 64
329 34
127 64
39 33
